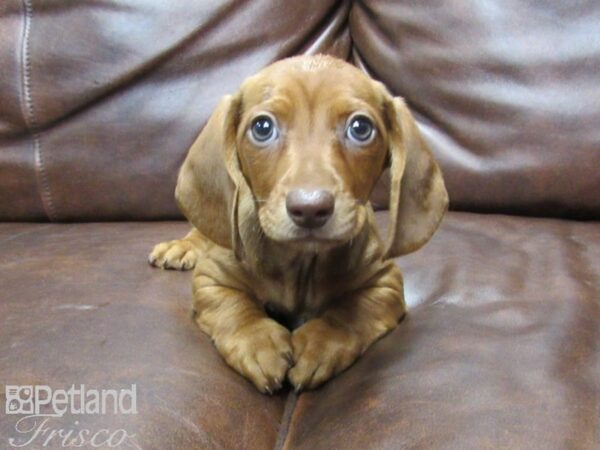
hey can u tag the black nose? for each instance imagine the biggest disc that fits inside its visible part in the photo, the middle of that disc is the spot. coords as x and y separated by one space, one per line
309 208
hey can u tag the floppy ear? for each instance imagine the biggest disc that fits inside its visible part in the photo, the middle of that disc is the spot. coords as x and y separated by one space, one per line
418 197
208 185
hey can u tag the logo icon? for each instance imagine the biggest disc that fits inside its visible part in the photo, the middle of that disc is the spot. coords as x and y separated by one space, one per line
19 399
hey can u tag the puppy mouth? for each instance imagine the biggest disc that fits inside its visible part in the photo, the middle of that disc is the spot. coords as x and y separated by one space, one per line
312 238
317 236
338 230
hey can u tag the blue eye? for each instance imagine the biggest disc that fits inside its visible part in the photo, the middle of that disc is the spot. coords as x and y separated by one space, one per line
263 130
360 130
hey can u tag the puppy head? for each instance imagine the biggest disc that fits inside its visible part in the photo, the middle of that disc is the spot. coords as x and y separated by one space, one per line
310 149
302 145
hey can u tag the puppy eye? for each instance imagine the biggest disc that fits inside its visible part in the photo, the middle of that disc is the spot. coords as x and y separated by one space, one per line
360 130
263 130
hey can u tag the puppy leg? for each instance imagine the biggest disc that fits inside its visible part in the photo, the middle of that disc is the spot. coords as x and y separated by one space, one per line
254 345
180 254
326 345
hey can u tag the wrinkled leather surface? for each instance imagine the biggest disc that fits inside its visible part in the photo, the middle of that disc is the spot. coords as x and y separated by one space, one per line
19 194
113 94
506 92
101 100
499 350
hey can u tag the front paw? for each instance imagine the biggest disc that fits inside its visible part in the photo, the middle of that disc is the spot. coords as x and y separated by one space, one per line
261 352
179 255
321 351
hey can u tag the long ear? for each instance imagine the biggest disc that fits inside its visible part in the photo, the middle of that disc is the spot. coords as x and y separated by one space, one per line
208 183
418 197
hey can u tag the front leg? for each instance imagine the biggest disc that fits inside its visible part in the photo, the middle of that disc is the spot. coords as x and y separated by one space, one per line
326 345
180 254
254 345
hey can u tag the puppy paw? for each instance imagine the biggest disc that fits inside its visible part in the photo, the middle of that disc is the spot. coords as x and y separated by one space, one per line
320 352
179 255
261 352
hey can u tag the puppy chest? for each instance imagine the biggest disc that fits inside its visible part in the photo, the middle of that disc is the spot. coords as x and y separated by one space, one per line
293 295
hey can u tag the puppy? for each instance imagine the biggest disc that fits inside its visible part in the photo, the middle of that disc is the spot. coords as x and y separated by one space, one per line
277 189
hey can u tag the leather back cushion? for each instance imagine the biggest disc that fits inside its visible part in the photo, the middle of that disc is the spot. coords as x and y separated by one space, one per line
100 102
507 93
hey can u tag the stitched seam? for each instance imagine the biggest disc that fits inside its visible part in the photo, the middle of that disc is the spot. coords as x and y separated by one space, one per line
286 420
29 116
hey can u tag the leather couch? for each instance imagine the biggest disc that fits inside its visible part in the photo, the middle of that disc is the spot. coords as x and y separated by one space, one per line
99 102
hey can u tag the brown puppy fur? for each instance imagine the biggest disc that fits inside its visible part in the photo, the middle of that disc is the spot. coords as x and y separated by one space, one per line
339 279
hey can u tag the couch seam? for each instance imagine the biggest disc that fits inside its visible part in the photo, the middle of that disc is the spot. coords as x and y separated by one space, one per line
286 420
29 115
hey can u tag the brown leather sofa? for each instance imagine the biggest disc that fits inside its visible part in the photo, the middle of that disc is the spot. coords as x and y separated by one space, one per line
99 102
